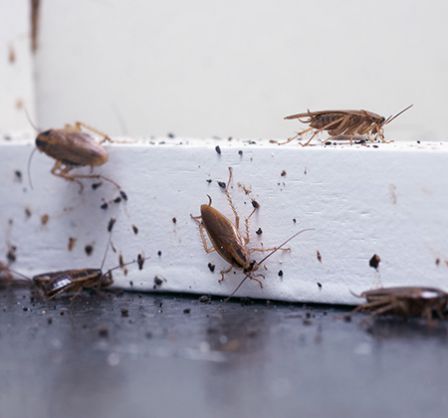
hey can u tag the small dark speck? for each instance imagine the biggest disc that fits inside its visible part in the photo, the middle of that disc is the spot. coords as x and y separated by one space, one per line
174 220
280 273
44 219
125 312
319 257
18 175
25 309
96 185
283 173
218 149
123 195
11 254
104 206
222 184
204 299
255 204
117 199
71 243
49 321
294 220
307 322
211 267
140 261
209 181
418 142
131 283
88 249
135 229
437 261
319 285
159 253
111 224
171 135
259 231
103 332
187 310
375 261
347 318
28 213
158 281
375 146
240 153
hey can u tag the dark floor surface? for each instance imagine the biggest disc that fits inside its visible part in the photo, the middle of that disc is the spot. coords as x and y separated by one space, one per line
138 355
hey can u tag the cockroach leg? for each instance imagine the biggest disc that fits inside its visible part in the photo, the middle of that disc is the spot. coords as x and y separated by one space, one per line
202 234
59 171
224 272
230 201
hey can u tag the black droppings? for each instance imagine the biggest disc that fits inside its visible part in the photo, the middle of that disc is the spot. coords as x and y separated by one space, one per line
209 181
159 253
437 261
240 153
318 256
255 204
222 184
259 231
218 149
158 281
294 220
49 320
88 249
174 220
117 199
319 285
280 273
124 312
104 206
140 261
18 175
103 331
283 173
28 213
123 195
375 261
187 310
211 267
11 254
96 185
171 135
135 229
111 224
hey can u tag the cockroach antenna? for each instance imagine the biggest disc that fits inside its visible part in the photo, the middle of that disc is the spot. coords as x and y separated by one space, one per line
125 264
264 259
391 118
30 121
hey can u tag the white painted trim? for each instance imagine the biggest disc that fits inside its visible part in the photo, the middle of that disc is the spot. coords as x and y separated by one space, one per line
391 201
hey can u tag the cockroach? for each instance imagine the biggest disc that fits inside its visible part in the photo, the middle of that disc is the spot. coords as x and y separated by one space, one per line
55 283
71 147
405 301
343 124
227 240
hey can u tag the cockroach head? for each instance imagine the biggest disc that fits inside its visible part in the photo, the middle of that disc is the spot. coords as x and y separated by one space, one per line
42 139
253 265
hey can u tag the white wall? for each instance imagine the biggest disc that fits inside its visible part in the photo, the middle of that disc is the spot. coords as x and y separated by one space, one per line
202 68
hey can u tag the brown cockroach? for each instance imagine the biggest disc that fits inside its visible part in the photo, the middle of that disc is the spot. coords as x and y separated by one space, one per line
227 240
405 301
71 147
55 283
343 124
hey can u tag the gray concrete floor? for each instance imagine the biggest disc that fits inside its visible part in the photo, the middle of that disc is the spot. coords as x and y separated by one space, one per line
130 354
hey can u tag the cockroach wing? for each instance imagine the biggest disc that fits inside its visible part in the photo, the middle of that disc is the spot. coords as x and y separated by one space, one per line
225 237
